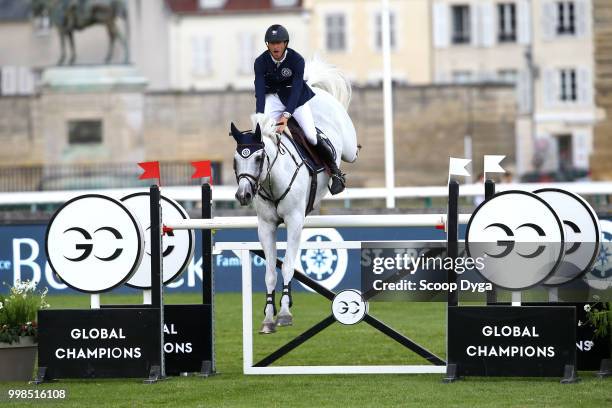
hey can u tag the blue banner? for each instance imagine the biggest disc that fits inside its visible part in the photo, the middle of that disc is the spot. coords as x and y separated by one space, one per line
22 257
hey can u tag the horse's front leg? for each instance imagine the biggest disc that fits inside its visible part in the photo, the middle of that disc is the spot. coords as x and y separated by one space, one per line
294 225
112 35
267 237
62 47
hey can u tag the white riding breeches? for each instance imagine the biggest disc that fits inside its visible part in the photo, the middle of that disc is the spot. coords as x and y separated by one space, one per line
303 115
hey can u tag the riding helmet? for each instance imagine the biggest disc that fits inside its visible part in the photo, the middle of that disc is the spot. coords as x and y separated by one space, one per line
277 33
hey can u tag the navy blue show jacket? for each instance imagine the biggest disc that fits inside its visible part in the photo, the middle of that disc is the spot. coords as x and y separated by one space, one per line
286 80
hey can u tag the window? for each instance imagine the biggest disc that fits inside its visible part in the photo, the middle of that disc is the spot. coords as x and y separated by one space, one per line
509 76
212 4
568 87
335 36
8 80
462 77
84 132
461 24
506 17
284 3
566 17
378 30
247 53
201 60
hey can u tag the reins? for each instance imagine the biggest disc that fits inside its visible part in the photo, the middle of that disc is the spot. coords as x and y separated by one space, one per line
281 148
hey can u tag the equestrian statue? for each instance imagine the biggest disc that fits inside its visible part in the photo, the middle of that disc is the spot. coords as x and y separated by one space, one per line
76 15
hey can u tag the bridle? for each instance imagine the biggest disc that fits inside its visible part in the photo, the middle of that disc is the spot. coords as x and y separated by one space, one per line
245 151
259 187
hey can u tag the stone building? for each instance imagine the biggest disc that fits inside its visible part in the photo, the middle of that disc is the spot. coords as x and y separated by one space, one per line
602 17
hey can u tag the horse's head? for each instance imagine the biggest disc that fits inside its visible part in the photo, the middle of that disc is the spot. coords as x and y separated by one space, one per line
248 163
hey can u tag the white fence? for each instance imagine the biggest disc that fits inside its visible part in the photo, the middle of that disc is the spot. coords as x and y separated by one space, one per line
226 193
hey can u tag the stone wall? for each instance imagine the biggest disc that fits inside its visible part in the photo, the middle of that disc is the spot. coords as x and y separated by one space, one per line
601 165
430 125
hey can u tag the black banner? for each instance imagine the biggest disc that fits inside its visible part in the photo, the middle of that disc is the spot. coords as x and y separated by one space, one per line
589 349
187 341
511 340
98 343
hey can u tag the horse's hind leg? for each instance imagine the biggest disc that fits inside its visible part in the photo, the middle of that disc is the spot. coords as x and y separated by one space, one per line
111 27
267 237
294 231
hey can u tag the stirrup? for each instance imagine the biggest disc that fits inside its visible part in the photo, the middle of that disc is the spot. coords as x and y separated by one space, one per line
270 301
286 291
338 183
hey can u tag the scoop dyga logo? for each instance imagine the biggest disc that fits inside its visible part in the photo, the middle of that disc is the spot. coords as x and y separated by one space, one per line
325 265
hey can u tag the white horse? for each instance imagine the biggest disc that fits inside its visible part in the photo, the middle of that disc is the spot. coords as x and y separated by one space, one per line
270 173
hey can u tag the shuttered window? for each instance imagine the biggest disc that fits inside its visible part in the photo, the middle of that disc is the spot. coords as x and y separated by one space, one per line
201 55
506 22
461 24
335 32
247 53
378 30
566 18
568 85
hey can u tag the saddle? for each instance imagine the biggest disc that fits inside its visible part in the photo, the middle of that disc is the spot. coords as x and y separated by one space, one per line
308 154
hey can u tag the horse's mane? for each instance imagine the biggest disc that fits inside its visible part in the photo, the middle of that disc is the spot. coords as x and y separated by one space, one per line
321 75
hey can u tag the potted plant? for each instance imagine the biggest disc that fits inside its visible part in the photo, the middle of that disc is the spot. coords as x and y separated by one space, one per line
19 330
600 317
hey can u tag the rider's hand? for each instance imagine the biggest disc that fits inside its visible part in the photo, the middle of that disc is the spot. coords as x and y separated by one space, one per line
282 123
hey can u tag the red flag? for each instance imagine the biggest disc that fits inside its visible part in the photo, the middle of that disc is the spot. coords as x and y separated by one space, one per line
151 171
202 169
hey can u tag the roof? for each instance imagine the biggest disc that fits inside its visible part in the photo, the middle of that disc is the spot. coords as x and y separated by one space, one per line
229 7
14 10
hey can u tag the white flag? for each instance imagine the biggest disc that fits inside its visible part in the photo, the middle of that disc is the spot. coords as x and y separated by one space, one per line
456 167
491 164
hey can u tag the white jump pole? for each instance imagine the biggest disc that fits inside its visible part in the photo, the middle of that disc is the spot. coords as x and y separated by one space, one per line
326 221
94 301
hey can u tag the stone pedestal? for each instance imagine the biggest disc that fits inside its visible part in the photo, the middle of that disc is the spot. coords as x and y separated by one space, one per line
108 99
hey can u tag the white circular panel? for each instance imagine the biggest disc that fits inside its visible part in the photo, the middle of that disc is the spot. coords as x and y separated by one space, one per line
348 307
178 245
519 238
581 230
326 266
94 243
600 277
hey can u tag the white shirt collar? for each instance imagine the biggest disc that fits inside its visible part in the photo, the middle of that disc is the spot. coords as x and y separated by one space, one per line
281 60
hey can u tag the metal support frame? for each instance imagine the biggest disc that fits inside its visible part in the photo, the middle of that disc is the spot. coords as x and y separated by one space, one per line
263 366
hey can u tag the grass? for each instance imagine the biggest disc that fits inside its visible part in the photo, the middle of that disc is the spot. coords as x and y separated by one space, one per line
337 345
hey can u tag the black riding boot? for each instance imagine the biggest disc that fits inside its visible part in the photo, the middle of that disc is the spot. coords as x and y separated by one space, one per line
327 155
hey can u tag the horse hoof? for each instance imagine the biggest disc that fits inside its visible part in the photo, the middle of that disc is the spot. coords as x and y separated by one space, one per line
284 320
267 328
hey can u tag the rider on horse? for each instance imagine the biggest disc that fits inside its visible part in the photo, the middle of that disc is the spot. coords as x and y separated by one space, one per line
281 92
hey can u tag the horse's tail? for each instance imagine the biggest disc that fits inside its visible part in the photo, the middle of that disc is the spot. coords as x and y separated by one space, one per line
322 75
